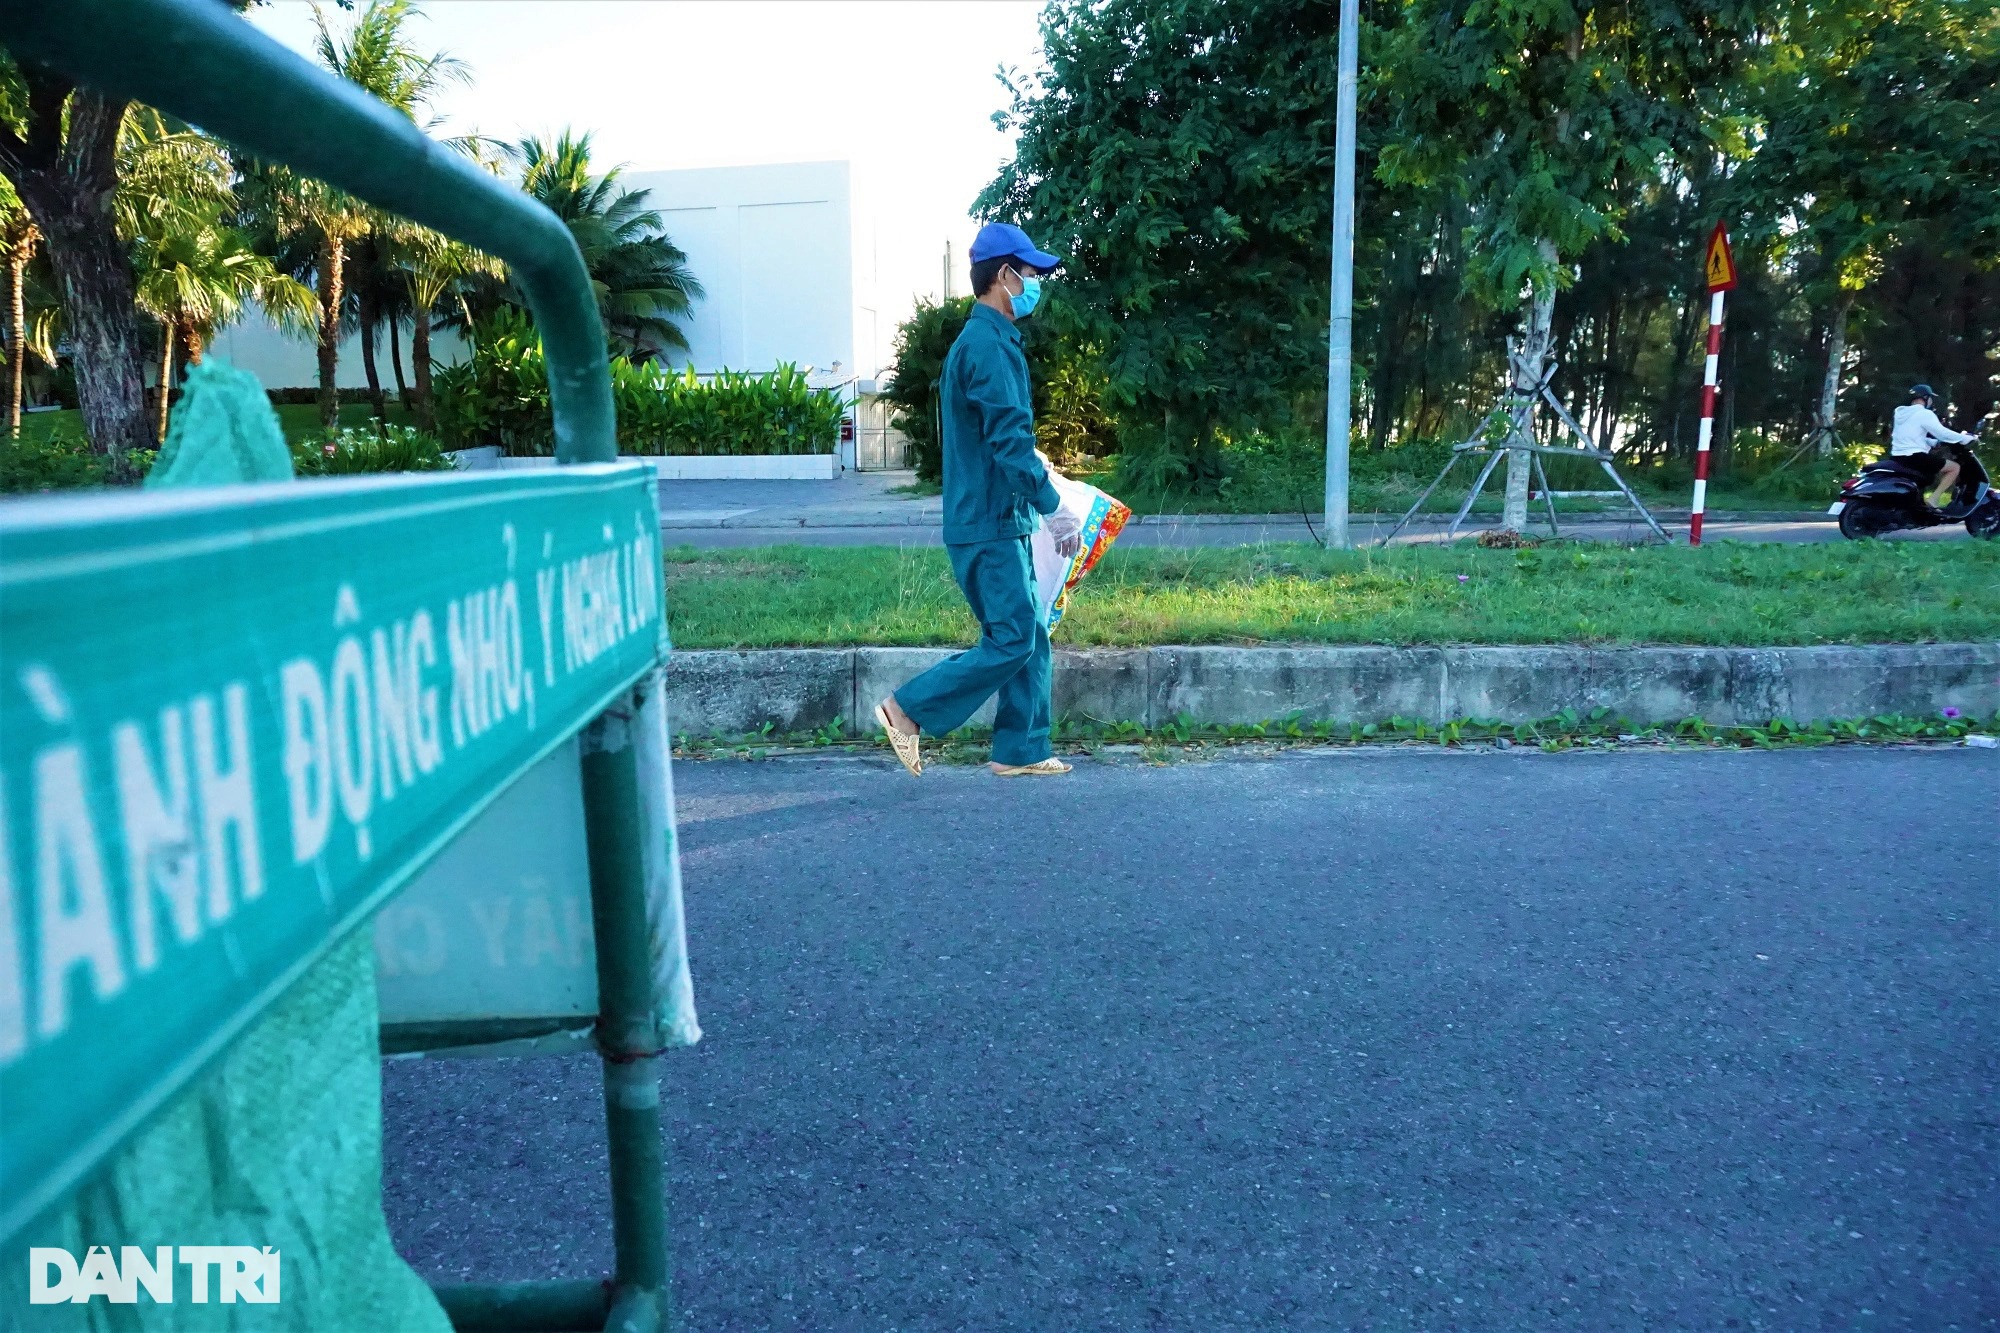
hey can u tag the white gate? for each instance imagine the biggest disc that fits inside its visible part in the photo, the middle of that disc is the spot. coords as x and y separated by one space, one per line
878 446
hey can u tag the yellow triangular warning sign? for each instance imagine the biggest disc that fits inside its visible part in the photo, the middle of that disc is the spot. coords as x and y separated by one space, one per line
1721 265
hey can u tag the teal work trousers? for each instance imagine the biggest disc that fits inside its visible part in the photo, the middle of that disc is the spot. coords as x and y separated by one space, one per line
1011 658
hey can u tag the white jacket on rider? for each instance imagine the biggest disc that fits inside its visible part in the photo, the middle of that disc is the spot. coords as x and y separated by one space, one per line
1916 426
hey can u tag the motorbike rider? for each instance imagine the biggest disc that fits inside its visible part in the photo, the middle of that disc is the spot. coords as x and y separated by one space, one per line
1913 442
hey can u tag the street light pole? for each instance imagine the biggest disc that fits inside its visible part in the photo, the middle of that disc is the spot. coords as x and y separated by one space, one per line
1340 333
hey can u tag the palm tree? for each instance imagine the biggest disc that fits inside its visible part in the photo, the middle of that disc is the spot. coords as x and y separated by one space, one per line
381 297
376 55
17 238
59 150
433 265
198 274
167 172
641 278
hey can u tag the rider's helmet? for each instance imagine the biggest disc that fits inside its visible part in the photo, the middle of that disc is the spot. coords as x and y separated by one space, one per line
1924 392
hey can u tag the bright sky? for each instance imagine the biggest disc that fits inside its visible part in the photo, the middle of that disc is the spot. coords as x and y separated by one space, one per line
904 89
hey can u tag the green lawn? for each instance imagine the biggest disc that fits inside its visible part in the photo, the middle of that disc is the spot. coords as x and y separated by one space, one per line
1396 493
1726 594
300 421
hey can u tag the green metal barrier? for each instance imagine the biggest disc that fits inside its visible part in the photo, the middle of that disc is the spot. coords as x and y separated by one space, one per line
197 60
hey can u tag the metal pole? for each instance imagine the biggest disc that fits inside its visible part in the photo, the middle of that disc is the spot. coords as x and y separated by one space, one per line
1708 385
627 1035
1340 333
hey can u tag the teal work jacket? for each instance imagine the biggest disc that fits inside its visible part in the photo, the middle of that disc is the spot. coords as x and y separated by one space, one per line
994 485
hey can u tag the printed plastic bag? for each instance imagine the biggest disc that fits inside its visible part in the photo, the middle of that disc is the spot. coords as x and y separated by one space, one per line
1103 518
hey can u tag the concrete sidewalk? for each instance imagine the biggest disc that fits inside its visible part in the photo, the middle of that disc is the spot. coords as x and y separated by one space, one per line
863 509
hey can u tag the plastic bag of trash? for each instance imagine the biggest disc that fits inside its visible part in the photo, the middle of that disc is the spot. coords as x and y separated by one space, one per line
1103 518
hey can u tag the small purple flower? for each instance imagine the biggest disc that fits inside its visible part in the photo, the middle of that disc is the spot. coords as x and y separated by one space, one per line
1952 713
1463 578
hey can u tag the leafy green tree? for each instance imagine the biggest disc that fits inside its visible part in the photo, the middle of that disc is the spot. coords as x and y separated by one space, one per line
1065 372
1178 153
641 278
1537 113
1879 123
922 343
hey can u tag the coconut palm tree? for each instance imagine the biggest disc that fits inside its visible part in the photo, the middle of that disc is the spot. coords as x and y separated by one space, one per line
433 266
199 273
18 237
641 278
167 173
377 55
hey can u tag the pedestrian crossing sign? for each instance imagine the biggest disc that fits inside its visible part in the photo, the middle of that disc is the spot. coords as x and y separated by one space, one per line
1721 265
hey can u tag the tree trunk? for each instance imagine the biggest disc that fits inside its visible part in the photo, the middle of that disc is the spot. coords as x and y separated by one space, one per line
1670 412
332 262
167 331
194 345
65 169
1829 391
420 366
17 323
1530 362
368 370
396 363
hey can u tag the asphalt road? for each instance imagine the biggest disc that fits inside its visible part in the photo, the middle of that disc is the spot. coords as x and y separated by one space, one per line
865 509
1381 1040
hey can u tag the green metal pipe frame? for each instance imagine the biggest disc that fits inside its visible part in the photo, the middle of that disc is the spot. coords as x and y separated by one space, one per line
202 62
627 1033
549 1307
199 61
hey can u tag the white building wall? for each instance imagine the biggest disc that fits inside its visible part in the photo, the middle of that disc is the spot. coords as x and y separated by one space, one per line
788 257
774 248
282 361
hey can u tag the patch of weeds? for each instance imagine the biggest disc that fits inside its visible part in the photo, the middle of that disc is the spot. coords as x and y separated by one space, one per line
1183 736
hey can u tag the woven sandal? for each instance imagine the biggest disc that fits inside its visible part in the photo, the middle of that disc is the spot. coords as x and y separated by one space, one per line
904 743
1046 768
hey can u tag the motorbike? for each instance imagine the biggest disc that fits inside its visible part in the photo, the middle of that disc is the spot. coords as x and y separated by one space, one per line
1888 496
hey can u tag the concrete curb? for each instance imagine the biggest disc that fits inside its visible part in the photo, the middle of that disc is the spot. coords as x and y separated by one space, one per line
804 689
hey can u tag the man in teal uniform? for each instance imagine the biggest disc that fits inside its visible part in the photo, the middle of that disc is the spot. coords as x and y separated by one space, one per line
994 486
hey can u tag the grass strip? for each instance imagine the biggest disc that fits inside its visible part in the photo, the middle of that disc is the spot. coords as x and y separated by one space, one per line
1564 731
299 421
1723 595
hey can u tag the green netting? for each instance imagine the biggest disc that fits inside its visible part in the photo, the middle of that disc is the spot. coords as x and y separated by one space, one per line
224 431
279 1145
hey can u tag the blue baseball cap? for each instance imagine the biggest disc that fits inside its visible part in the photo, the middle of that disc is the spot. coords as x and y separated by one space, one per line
1004 240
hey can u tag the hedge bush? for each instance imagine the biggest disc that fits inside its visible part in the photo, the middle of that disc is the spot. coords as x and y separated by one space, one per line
360 449
500 395
63 460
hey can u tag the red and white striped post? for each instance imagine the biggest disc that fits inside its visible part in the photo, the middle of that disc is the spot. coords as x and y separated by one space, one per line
1721 269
